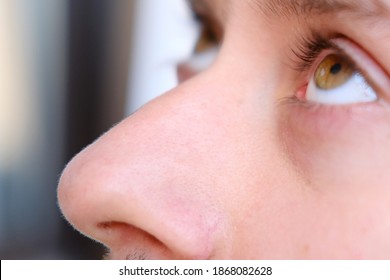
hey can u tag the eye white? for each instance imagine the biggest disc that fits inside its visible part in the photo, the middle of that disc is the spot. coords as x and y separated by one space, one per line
355 90
201 61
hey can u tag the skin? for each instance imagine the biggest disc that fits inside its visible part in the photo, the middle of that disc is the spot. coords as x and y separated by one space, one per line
221 167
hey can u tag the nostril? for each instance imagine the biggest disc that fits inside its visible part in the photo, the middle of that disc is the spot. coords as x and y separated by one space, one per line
119 232
120 229
125 241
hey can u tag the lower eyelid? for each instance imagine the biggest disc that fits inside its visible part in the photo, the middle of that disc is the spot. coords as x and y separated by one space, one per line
201 61
324 120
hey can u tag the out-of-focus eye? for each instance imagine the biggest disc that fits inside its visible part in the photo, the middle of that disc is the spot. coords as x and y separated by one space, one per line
206 40
338 81
205 50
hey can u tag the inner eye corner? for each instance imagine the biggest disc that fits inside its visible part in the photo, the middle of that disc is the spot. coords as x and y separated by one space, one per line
299 93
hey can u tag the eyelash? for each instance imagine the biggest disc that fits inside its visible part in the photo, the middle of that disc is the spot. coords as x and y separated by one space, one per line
308 50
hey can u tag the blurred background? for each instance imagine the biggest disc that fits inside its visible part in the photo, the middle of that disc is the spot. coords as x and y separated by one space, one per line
70 70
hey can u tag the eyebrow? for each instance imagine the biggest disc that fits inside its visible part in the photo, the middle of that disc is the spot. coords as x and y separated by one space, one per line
288 8
203 9
298 8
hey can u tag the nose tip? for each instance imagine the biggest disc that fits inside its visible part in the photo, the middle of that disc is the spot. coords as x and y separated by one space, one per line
127 195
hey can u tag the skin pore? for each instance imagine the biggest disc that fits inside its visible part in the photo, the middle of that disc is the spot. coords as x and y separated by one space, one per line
252 158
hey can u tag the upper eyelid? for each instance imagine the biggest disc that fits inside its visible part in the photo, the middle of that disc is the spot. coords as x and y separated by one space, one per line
371 70
307 49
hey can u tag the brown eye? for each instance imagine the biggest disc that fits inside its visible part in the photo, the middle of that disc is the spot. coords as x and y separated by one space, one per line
333 71
207 40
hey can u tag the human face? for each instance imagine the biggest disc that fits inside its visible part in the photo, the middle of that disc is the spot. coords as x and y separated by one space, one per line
280 149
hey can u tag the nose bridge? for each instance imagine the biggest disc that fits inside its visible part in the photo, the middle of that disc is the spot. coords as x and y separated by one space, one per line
141 174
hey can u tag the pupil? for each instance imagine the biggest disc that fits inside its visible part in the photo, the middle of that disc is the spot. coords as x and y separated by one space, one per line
335 69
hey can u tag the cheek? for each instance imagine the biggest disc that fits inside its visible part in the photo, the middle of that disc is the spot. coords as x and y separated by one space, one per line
339 149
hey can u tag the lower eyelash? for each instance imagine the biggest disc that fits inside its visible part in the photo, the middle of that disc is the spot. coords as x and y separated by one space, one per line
321 119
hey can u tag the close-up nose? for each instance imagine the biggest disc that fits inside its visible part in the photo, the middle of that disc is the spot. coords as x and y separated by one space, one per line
137 190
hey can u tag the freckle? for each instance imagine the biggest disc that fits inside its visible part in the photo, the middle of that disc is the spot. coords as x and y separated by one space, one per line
306 249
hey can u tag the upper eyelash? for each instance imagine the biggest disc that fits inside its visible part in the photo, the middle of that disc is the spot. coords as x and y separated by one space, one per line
197 17
308 49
